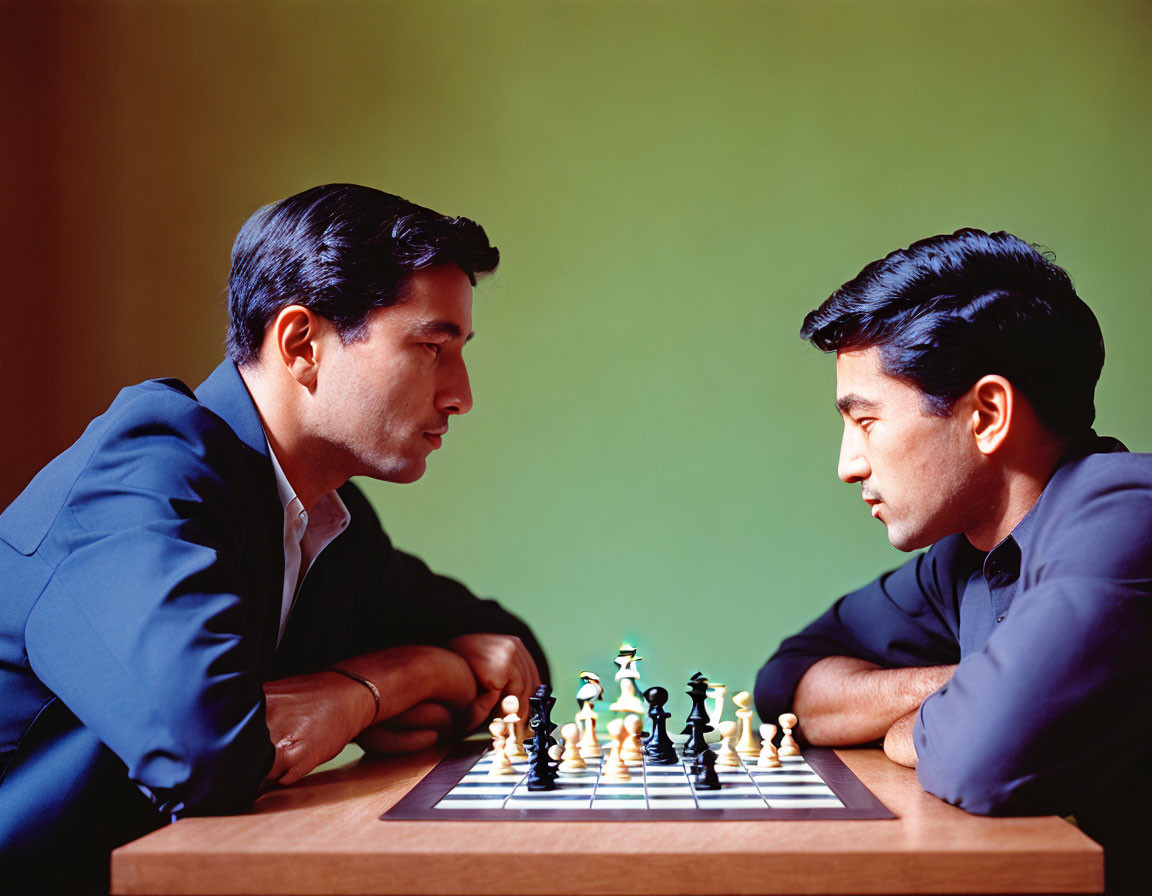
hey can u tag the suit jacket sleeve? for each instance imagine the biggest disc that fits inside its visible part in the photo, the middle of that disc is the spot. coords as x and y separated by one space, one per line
142 631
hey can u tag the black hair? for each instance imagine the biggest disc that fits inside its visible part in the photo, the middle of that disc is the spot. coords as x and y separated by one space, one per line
952 308
340 250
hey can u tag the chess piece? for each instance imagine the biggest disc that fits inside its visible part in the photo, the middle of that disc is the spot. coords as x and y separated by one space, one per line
590 741
659 749
501 764
788 745
768 757
627 676
704 775
697 717
633 749
586 698
512 746
614 769
542 771
571 762
727 757
542 703
746 744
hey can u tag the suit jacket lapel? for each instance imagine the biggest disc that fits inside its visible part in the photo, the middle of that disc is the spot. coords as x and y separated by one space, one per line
225 394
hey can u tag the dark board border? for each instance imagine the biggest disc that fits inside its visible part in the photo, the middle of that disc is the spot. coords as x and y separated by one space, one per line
859 802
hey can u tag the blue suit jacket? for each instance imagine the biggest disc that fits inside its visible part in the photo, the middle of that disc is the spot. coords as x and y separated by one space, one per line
142 573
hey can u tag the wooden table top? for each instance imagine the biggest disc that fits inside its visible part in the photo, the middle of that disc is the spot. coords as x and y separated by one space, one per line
323 835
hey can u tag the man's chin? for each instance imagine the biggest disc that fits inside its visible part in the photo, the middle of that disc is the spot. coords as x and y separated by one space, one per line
402 474
906 541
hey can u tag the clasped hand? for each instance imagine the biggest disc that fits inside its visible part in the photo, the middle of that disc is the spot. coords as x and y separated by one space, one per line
425 693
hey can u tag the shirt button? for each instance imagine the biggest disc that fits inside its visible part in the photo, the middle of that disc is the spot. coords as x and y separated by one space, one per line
999 618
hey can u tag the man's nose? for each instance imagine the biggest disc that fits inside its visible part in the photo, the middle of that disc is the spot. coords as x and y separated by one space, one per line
455 397
852 465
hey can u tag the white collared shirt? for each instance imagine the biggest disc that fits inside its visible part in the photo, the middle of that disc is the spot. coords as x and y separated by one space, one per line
305 535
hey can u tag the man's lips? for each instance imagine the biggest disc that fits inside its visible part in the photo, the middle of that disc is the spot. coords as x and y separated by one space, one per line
874 503
436 436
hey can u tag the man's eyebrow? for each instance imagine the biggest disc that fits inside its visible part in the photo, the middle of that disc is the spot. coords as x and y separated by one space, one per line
853 403
430 328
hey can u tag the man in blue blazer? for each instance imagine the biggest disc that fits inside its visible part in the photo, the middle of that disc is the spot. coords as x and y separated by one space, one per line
196 601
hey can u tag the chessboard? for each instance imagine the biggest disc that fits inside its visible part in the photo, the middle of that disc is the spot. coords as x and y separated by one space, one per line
814 785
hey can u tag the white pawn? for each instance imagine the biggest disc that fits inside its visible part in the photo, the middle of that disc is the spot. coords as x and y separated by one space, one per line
571 762
768 757
746 746
788 745
512 746
614 768
590 742
727 756
633 749
501 764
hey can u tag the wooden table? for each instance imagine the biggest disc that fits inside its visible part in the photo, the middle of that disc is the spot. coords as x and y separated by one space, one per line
323 836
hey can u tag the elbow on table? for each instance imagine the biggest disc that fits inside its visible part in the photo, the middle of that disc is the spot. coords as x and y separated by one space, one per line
205 778
975 780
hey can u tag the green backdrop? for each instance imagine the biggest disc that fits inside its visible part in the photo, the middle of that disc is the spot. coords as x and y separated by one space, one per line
673 186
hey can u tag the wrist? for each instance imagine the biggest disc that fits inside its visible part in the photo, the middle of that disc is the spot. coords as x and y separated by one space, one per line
369 695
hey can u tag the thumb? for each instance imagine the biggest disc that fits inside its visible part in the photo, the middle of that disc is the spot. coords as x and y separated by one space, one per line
300 759
481 708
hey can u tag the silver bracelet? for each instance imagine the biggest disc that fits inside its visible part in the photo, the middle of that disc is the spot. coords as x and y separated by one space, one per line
364 681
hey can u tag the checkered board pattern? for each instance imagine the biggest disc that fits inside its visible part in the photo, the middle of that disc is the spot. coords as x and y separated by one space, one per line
816 785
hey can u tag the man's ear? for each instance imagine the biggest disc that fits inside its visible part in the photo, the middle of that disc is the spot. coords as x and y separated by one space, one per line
993 401
296 334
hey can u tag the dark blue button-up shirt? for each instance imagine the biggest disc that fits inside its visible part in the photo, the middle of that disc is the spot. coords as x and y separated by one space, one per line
1048 711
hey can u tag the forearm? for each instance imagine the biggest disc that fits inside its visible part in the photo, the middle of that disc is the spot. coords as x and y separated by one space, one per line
843 700
413 674
898 743
310 718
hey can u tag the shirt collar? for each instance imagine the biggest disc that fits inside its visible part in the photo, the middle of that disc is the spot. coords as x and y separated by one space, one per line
1002 564
284 488
330 511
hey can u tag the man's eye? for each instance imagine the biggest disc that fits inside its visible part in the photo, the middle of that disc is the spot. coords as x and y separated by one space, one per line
433 347
865 423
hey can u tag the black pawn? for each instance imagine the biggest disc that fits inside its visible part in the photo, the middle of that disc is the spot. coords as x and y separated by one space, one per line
704 772
542 771
542 703
659 749
697 717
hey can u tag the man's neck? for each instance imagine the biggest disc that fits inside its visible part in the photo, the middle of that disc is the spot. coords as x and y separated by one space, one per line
301 461
1016 493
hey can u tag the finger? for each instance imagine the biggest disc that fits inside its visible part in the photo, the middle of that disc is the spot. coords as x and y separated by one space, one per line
480 709
301 759
283 759
280 765
531 671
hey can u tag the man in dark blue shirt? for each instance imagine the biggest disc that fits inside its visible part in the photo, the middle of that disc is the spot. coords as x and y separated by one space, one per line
1008 663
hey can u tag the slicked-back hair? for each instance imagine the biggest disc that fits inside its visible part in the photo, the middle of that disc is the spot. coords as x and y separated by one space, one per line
340 250
953 308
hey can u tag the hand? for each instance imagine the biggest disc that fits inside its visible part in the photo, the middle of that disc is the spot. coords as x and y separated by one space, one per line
311 718
502 666
414 729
